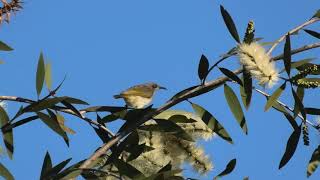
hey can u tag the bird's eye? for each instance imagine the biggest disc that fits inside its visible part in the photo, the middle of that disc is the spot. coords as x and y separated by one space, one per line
154 86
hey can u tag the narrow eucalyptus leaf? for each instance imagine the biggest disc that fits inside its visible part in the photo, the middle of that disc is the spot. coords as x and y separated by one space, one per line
5 173
48 77
312 111
4 47
211 122
298 104
230 24
229 168
246 89
313 33
274 97
231 75
235 107
40 74
46 166
297 64
291 147
287 55
203 67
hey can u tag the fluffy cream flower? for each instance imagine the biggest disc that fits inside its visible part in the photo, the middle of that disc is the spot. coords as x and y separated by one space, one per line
255 59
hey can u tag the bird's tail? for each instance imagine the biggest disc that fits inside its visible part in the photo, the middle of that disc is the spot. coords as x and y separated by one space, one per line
117 96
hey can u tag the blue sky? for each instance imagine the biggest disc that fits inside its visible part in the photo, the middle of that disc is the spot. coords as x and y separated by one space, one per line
106 46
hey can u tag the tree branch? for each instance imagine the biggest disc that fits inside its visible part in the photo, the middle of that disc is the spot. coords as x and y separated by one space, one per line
311 21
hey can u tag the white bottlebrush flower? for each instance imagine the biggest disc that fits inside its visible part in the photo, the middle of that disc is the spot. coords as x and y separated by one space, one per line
255 59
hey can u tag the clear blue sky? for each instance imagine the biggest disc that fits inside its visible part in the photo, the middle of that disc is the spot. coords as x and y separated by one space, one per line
106 46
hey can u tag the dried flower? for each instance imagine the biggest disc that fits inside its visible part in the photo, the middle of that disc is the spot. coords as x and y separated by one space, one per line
255 60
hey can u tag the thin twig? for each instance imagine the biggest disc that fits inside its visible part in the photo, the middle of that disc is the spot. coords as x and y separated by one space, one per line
296 29
58 108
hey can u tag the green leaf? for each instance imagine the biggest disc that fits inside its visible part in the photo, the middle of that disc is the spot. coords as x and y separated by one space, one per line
212 122
231 75
53 124
40 74
48 79
4 47
246 89
317 14
287 55
5 173
249 35
111 109
312 111
235 107
313 33
291 147
299 105
136 151
203 67
230 24
314 161
8 134
181 119
229 168
171 127
72 100
43 104
274 97
56 169
126 169
46 166
315 68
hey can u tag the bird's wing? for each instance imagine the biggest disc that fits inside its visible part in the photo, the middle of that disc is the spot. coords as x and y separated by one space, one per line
139 90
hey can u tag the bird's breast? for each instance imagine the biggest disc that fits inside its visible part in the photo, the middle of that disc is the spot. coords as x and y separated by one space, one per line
137 102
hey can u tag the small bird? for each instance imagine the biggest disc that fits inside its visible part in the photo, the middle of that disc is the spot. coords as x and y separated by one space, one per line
139 96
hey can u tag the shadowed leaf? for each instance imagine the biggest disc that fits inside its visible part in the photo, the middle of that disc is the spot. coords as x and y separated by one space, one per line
230 24
111 109
72 100
8 134
53 124
246 89
171 127
40 74
312 111
229 168
231 75
298 105
313 33
181 119
43 104
136 151
56 169
235 107
314 161
274 97
212 122
127 169
4 47
287 55
46 166
297 64
203 67
291 147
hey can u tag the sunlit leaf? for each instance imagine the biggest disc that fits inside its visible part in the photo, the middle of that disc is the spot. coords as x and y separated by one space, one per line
229 168
291 147
61 122
230 24
231 75
40 74
4 47
48 77
314 161
313 33
203 67
5 173
235 107
274 97
212 122
287 55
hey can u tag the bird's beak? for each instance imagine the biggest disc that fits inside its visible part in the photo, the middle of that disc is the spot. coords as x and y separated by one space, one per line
162 88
